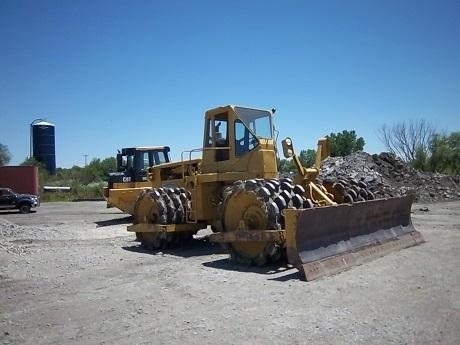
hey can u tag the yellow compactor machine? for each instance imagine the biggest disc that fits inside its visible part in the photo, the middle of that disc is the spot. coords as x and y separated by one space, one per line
130 179
235 188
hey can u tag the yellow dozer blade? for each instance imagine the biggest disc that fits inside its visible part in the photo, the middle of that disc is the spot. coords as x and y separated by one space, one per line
326 240
124 198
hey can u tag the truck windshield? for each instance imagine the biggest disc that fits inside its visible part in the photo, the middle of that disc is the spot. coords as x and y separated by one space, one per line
258 121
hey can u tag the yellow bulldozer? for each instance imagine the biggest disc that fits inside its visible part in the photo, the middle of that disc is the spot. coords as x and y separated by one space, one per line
130 179
235 188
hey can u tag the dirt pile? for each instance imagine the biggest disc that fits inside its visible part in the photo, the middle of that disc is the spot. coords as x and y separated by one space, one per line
9 235
386 175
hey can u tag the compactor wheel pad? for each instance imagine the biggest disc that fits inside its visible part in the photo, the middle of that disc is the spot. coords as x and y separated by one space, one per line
157 206
258 205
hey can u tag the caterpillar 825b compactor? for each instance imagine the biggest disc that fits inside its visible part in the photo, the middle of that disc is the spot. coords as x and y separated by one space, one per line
235 189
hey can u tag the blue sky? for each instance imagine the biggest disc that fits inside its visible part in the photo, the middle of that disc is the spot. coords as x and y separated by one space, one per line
111 74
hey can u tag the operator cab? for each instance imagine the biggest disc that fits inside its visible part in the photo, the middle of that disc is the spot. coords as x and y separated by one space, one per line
239 140
133 163
245 130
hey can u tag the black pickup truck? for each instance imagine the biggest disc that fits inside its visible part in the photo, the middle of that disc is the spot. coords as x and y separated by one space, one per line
9 199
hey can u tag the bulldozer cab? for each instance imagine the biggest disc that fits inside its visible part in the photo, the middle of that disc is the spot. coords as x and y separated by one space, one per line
134 162
239 139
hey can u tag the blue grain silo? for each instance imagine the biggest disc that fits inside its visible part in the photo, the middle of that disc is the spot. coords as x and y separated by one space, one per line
43 144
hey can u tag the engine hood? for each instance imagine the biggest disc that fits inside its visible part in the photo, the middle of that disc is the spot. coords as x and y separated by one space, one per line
27 196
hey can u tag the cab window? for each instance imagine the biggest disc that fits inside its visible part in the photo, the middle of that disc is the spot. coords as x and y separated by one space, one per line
216 136
159 157
221 137
244 139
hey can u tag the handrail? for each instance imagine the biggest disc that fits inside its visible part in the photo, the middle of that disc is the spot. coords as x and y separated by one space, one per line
190 152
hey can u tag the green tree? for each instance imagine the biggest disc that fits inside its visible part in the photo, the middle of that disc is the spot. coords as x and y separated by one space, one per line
98 170
454 144
307 157
92 172
285 165
420 161
31 161
345 142
43 175
85 182
445 153
417 143
108 165
5 155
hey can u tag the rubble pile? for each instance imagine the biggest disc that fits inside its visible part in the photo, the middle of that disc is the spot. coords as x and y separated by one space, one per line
386 175
9 232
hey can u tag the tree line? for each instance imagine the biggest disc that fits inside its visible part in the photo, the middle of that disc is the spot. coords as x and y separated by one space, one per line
419 144
415 142
95 172
85 182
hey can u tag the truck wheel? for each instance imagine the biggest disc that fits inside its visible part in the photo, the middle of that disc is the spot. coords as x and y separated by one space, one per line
24 208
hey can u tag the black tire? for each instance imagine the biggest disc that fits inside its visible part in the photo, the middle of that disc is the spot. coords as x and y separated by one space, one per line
348 199
370 195
169 209
308 203
363 193
339 188
362 184
275 195
297 201
24 208
353 194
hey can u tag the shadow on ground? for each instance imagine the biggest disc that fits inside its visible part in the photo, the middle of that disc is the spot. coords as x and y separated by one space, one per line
193 248
277 272
11 211
286 272
115 221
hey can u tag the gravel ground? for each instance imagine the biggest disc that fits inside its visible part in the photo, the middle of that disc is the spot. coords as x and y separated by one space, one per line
71 274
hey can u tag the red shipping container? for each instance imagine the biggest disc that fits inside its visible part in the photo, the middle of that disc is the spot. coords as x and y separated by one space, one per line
22 179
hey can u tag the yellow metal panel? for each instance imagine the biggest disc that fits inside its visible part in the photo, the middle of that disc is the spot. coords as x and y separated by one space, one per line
290 222
206 198
125 185
124 198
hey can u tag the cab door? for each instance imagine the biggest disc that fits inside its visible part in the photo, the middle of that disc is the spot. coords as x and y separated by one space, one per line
6 198
217 152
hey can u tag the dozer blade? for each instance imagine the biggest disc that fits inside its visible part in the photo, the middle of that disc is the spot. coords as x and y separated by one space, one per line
327 240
